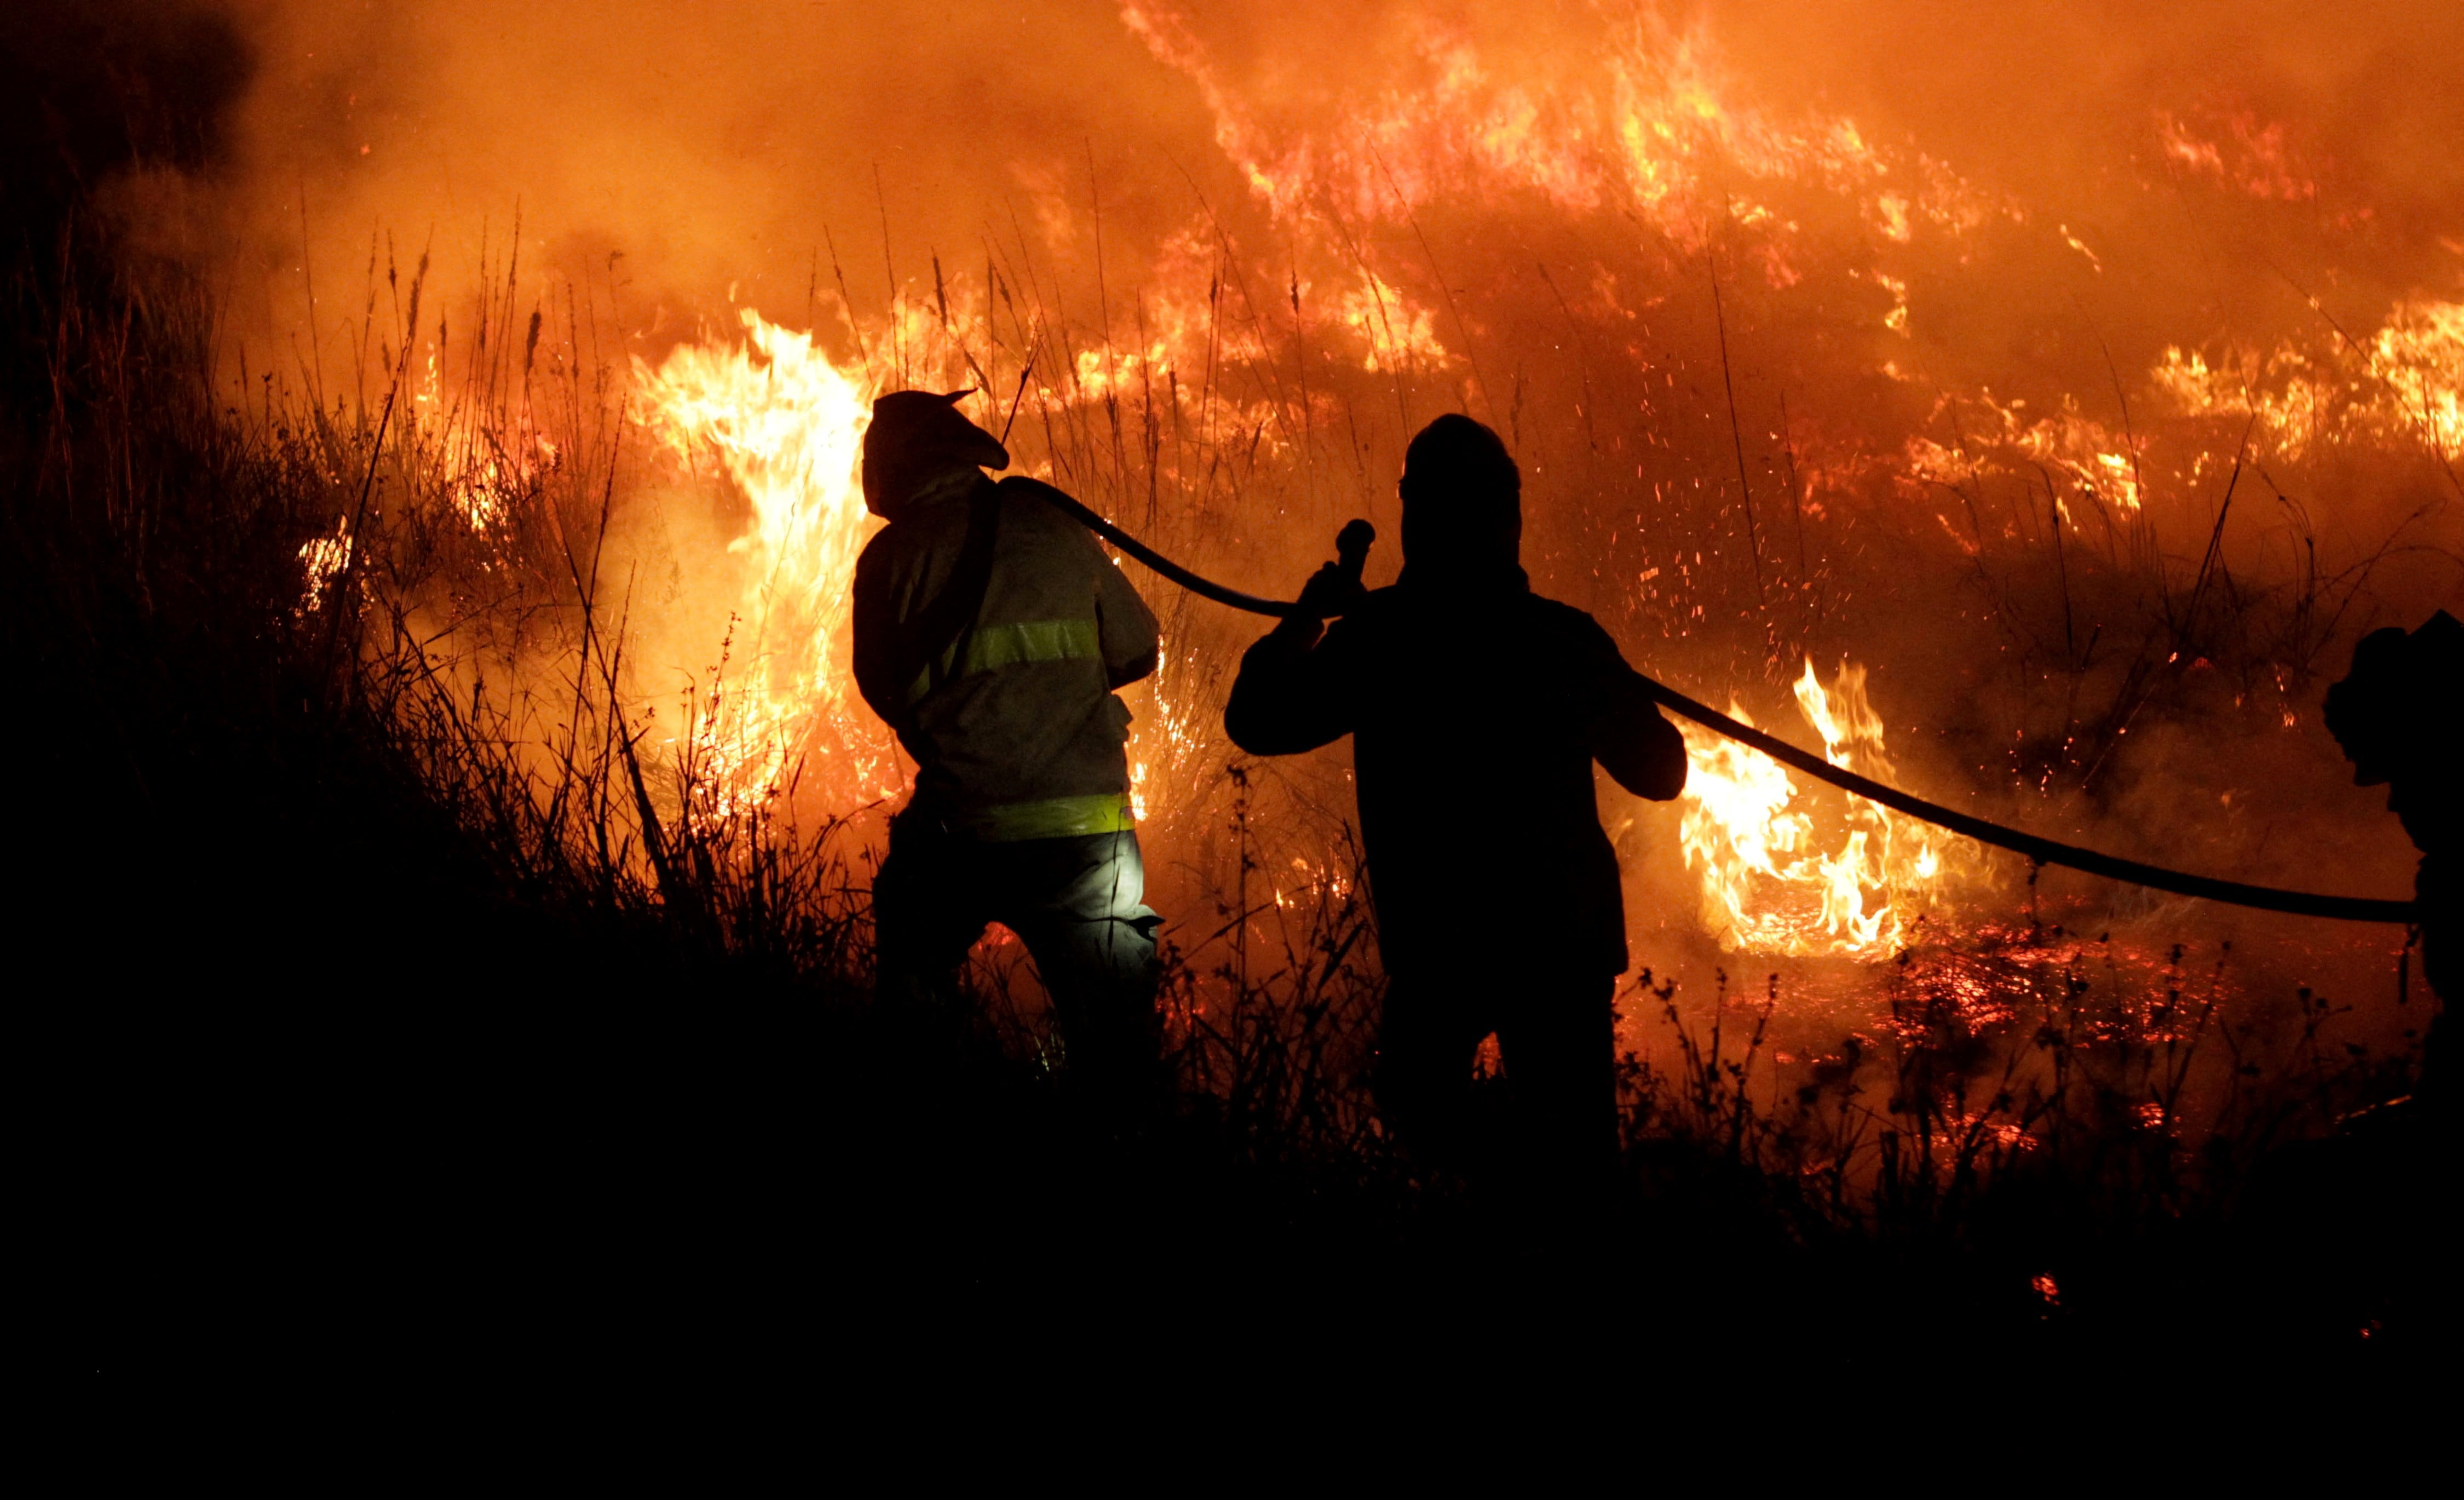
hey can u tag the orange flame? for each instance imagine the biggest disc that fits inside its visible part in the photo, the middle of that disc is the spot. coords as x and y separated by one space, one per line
787 427
1767 886
324 559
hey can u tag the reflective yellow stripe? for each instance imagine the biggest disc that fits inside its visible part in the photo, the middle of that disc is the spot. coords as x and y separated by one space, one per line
1055 818
995 646
1036 640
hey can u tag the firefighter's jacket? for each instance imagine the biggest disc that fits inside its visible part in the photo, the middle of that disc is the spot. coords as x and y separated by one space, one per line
998 679
1476 712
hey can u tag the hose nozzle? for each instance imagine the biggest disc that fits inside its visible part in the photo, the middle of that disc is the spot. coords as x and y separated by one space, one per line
1351 547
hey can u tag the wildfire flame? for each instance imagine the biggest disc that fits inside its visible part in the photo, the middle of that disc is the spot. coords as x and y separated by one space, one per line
787 427
1766 884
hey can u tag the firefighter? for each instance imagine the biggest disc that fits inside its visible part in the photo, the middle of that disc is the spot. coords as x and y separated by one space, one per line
2397 718
1476 708
2350 1237
990 632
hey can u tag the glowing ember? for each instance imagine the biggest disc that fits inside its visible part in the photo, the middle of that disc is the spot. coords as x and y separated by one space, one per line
323 558
1768 886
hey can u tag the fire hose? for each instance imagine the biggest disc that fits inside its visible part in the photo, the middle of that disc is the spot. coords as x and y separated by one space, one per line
1353 551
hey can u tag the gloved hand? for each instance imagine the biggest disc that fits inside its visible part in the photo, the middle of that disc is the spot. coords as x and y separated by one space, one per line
1333 589
1337 588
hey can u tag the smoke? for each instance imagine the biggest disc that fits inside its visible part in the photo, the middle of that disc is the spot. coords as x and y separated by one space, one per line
696 151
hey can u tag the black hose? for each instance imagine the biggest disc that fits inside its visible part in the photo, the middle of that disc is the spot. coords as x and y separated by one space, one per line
2265 898
1070 506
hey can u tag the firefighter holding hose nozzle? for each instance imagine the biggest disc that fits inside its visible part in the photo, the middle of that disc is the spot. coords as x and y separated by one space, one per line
1476 708
990 632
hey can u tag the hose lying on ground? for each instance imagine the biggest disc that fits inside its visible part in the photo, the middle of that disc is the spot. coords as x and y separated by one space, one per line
2265 898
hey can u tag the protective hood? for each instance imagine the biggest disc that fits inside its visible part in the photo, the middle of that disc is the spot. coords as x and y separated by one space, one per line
916 439
1463 509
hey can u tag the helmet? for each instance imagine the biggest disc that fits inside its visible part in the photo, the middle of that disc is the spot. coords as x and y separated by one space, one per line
915 437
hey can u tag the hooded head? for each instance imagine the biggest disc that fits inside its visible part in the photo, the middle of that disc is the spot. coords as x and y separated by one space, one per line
2395 714
1463 505
917 439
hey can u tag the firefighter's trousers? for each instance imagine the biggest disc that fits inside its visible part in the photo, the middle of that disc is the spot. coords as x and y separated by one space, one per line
1555 1030
1077 903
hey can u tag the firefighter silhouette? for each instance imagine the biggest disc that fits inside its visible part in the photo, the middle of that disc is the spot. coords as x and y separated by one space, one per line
2398 715
1476 708
990 632
2350 1236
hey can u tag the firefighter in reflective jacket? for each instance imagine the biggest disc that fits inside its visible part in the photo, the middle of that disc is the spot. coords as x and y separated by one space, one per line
1477 709
990 632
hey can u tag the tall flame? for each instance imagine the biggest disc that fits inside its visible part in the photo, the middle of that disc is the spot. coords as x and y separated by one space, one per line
787 427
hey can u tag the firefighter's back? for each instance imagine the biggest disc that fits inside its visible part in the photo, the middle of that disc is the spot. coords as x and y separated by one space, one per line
1010 715
990 632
